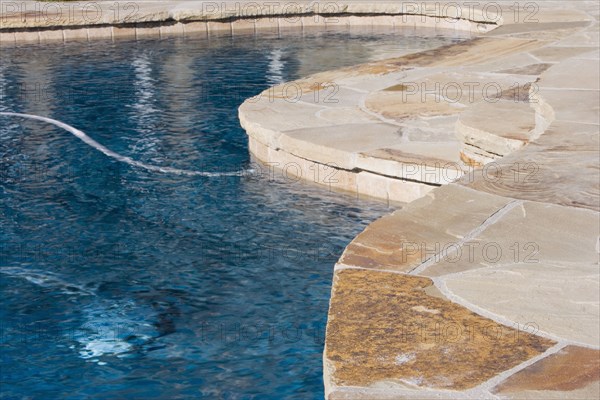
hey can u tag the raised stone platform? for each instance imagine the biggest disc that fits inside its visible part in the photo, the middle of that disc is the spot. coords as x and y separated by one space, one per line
39 22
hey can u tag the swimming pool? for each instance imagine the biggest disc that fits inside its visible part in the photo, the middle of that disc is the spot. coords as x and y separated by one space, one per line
119 282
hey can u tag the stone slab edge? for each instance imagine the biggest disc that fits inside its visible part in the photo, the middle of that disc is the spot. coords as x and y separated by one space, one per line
39 21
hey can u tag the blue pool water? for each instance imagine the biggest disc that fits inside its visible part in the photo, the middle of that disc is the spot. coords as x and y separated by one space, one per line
117 282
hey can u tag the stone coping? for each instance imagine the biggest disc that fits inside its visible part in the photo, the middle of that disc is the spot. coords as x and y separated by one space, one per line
30 21
486 284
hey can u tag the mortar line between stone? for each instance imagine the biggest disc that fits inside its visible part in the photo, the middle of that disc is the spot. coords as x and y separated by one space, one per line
491 220
501 377
363 107
440 284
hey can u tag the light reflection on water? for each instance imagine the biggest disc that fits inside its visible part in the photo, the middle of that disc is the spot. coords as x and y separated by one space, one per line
118 282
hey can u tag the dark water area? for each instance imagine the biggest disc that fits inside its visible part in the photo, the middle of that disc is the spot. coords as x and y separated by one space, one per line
117 282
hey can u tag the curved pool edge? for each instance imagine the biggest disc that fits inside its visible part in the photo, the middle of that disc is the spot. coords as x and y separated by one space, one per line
416 295
31 21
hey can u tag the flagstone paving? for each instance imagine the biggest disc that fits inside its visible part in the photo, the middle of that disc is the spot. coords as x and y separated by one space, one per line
511 247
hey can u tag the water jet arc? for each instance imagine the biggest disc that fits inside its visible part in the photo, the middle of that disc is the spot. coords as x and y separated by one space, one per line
128 160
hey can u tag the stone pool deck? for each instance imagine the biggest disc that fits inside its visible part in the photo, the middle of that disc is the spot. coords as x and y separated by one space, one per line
486 285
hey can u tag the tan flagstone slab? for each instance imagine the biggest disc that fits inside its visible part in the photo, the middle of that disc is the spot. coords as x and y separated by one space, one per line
496 128
531 69
511 29
368 84
590 55
589 392
440 94
508 62
434 129
588 38
550 12
568 137
346 115
543 272
196 10
29 36
557 174
243 25
556 299
391 190
147 31
400 106
267 25
7 38
394 328
561 236
338 144
434 163
573 74
329 94
435 154
270 117
219 28
476 51
504 119
571 373
559 53
294 169
409 237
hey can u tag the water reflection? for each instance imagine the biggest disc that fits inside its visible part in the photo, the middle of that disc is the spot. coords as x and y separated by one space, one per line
121 283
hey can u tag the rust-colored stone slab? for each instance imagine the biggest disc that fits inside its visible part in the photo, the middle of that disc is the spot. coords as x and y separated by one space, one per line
394 328
471 52
571 368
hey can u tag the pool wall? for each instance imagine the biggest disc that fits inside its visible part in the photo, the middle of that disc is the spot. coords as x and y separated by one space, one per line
63 21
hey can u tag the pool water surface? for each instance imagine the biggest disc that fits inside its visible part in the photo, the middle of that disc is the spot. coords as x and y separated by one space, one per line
118 282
